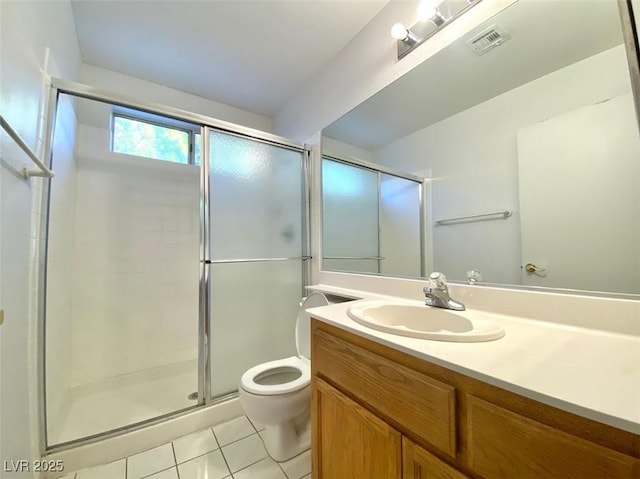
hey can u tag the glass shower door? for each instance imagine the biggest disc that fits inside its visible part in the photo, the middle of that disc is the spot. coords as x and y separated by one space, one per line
256 245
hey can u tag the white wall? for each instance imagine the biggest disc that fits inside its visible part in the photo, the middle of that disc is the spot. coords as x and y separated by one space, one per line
145 91
473 156
136 261
365 66
28 31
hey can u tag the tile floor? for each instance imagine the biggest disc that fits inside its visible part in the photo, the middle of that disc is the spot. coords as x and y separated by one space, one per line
233 449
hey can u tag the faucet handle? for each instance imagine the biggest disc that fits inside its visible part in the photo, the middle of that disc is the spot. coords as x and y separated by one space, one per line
474 276
437 280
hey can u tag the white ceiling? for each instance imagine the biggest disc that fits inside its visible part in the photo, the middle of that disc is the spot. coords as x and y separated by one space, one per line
248 54
545 36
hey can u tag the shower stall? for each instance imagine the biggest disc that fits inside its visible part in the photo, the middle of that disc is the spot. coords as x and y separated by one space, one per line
175 258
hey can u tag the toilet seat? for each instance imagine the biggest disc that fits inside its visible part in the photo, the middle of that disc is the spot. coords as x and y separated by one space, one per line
296 364
255 380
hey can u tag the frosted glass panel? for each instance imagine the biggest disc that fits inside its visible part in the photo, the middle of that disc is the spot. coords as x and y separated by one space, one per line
349 211
256 199
352 265
256 213
400 226
253 314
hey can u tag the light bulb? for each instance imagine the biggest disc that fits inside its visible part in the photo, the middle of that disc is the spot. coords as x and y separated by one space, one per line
427 9
399 32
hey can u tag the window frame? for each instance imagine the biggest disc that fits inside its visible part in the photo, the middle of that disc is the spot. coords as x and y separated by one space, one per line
169 124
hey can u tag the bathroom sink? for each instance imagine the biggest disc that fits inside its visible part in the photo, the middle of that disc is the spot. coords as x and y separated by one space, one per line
426 322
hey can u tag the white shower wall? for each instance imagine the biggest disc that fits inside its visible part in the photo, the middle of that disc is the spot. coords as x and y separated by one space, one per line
136 262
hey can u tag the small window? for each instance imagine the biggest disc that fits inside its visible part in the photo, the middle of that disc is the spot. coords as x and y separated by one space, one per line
141 137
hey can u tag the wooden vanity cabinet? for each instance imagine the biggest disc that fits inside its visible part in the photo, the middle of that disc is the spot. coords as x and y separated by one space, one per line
381 413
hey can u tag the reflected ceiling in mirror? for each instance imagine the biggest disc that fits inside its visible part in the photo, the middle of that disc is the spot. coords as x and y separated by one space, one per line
542 126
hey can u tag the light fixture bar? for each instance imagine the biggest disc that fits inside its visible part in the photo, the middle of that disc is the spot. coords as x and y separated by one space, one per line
432 19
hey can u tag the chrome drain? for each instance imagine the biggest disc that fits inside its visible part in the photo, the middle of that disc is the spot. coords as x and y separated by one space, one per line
193 396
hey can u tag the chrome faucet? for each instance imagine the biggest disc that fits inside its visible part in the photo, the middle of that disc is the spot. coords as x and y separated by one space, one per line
437 293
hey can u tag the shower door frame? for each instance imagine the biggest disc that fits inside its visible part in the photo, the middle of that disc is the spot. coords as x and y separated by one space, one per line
207 124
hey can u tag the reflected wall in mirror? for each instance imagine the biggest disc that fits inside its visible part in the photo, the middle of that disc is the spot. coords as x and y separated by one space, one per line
542 125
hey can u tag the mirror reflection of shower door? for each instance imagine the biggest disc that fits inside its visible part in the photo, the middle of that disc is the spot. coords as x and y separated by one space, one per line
400 225
257 241
350 205
371 220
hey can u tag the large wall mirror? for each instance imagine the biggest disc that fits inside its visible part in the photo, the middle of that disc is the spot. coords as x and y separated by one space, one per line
530 150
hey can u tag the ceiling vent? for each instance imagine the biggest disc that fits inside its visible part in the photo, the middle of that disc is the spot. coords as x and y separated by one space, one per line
488 39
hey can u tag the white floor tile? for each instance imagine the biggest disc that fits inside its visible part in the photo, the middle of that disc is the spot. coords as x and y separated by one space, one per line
209 466
298 466
148 462
231 431
166 474
113 470
265 469
194 445
259 427
244 452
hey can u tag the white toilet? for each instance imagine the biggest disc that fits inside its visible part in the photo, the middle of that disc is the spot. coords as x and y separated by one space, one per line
277 394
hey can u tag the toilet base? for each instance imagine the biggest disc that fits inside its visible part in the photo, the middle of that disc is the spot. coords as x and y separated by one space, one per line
287 440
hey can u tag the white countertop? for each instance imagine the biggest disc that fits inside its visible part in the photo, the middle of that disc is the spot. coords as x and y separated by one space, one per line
594 374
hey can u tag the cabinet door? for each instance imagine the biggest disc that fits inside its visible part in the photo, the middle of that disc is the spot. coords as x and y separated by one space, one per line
417 463
349 442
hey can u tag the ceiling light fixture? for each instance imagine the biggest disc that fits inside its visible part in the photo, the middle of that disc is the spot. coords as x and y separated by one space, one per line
432 16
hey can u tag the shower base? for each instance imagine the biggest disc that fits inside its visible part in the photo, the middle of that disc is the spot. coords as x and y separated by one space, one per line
145 438
104 406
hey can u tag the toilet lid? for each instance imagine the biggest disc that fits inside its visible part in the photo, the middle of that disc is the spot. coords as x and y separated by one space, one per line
303 323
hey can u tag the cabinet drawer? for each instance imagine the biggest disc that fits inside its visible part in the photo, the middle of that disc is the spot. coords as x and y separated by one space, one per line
503 444
405 398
